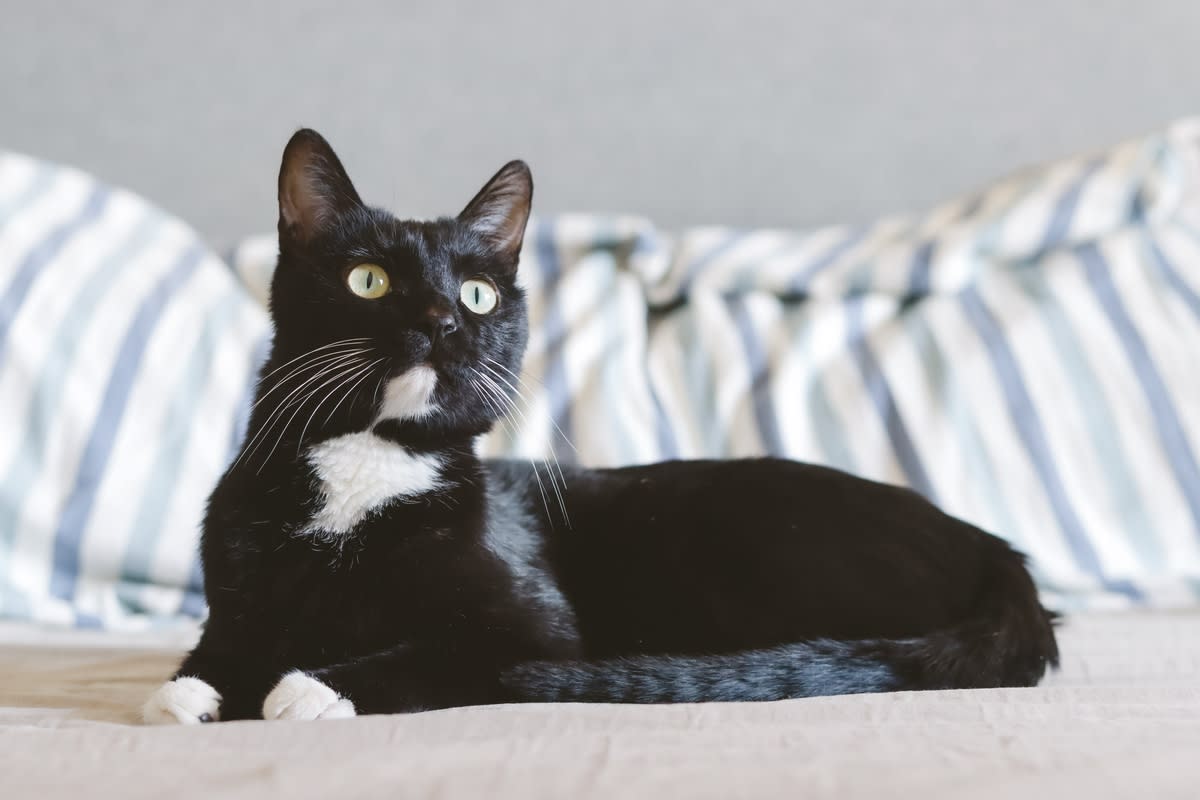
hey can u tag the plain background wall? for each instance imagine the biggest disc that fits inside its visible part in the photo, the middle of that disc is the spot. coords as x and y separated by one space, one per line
749 112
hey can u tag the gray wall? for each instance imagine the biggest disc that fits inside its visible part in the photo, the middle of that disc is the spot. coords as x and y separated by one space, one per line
752 112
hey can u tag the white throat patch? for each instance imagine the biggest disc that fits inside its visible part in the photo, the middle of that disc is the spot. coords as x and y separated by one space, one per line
360 473
409 396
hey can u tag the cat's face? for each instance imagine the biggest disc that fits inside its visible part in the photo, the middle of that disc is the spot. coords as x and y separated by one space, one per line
403 325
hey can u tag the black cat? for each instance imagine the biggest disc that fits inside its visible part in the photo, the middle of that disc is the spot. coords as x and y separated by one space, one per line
360 558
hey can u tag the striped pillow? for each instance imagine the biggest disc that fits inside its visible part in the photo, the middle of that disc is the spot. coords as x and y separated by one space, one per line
1028 357
126 351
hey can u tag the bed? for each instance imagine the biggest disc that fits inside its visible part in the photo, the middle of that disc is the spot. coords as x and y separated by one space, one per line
1024 355
1121 719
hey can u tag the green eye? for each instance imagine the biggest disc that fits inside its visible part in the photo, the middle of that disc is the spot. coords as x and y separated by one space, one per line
369 281
479 295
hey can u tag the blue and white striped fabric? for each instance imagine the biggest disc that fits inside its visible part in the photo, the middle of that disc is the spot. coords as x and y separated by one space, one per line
126 350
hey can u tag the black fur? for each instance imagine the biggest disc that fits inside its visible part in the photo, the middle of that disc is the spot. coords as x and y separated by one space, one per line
682 581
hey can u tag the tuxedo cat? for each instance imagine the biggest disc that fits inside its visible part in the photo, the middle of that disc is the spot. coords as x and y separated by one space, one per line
360 558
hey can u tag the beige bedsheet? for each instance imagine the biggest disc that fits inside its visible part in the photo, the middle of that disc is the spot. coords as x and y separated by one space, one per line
1121 720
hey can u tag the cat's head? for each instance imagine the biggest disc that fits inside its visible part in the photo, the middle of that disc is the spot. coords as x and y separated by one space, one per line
415 326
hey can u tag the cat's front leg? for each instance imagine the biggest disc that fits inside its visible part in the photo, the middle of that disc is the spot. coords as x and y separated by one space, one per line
191 696
302 695
216 681
183 700
402 679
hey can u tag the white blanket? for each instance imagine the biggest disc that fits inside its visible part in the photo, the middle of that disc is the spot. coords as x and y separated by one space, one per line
1122 719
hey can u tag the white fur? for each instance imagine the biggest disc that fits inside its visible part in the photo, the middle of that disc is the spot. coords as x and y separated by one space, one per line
181 701
409 396
300 696
361 472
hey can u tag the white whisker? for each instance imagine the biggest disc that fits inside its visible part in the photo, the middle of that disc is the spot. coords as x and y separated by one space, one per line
502 418
529 388
378 385
307 365
554 483
364 372
340 375
310 352
283 404
288 402
366 375
553 455
327 364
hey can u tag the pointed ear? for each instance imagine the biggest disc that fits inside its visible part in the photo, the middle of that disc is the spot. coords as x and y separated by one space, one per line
313 187
500 211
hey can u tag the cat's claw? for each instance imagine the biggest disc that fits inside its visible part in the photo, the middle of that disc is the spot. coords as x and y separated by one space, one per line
300 696
183 701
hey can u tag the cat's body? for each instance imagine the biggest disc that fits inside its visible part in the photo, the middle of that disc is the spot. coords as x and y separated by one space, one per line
363 559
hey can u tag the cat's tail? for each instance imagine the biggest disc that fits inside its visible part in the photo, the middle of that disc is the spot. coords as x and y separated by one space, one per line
1009 641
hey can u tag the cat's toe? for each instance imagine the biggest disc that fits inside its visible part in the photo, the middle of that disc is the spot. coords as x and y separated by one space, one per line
342 709
300 696
183 701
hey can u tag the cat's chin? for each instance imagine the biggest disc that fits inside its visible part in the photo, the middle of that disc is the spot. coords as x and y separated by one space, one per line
409 395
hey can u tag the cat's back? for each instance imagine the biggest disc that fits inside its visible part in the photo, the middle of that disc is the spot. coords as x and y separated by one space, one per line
689 554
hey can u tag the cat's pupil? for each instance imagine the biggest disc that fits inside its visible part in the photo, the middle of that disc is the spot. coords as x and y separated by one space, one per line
370 279
476 294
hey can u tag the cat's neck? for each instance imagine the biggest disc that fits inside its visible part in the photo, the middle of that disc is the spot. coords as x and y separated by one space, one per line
357 475
425 436
391 448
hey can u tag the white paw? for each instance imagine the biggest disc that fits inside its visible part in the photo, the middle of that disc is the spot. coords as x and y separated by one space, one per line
186 701
300 696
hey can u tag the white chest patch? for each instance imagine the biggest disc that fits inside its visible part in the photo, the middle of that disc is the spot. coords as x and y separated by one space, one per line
360 473
409 396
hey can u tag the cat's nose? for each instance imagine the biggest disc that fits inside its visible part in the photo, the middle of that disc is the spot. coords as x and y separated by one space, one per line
441 322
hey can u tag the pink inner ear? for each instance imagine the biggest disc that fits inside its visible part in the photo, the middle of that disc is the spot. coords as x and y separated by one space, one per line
313 185
293 208
308 201
500 211
503 226
298 205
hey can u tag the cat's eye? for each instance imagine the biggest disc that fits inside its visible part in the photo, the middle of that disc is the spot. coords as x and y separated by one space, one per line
369 281
479 295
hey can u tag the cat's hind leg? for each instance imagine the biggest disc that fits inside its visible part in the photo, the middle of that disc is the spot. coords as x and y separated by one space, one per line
402 679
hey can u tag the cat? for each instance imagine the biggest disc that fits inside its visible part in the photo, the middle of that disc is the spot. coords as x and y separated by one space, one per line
360 558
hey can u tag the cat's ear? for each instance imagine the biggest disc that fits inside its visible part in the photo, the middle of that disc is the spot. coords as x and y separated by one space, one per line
500 211
314 188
